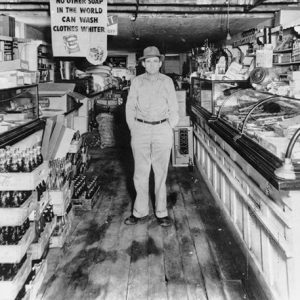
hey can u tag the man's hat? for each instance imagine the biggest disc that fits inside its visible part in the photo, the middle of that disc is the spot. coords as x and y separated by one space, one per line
151 51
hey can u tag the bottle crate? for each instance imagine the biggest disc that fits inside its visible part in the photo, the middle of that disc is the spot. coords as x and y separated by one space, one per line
60 199
32 288
36 250
15 216
84 204
57 241
10 288
24 181
14 253
44 201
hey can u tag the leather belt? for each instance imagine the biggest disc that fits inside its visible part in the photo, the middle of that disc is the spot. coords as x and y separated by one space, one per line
153 122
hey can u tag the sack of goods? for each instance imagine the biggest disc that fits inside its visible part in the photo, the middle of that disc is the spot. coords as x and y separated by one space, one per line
106 130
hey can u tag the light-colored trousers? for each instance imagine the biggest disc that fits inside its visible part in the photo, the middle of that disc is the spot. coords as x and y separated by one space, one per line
151 145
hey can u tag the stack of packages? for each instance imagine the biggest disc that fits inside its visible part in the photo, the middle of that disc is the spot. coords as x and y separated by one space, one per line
106 129
102 78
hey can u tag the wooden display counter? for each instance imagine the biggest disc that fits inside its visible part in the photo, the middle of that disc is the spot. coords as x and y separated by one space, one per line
262 211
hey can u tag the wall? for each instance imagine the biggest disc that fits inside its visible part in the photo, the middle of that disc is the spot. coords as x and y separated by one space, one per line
131 57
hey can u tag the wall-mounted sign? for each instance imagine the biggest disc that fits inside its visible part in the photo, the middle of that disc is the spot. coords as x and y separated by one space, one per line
246 40
79 28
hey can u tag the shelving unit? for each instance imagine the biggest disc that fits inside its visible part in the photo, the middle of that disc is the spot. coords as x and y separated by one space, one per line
6 48
17 253
283 50
45 63
287 64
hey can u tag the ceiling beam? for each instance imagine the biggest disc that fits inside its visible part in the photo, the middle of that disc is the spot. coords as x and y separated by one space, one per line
173 2
27 7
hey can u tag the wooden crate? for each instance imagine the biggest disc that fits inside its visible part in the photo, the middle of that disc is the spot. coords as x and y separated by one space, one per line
36 250
44 201
10 288
15 216
10 254
60 199
59 240
24 181
86 204
33 288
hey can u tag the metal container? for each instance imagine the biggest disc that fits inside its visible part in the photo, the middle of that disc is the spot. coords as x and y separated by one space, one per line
263 76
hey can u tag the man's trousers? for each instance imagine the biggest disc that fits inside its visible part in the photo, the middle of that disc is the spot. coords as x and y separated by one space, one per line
151 146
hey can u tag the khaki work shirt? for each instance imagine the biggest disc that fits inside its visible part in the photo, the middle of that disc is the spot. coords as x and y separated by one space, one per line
152 99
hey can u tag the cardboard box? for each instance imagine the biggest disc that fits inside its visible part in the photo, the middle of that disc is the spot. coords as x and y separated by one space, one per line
184 121
59 95
81 124
84 110
7 25
63 142
16 64
288 17
11 78
181 100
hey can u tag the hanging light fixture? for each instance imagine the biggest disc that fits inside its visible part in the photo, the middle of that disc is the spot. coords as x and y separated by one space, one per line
228 36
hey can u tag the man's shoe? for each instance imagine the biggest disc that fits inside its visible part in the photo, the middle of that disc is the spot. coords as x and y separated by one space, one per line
165 221
132 220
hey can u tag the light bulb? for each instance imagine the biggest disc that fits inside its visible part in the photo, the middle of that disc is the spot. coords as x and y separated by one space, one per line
228 36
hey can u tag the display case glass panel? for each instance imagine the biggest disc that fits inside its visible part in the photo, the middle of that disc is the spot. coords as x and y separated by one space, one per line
18 106
210 94
269 120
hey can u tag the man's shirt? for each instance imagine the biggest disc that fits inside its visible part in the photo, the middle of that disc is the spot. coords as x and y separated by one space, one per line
152 99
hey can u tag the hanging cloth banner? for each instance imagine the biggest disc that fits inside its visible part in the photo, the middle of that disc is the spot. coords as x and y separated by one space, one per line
79 28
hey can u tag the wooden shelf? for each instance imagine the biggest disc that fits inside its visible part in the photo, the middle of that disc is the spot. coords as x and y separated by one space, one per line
6 38
287 64
283 50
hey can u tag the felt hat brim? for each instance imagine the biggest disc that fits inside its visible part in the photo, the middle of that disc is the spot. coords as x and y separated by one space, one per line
161 57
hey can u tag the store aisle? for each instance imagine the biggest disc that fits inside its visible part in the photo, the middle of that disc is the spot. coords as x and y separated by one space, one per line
104 259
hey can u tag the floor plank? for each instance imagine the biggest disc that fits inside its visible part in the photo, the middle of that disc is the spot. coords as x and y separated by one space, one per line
156 270
138 273
191 268
176 283
210 270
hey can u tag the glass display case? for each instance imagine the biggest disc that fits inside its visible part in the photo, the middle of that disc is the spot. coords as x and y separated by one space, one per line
210 94
18 106
270 120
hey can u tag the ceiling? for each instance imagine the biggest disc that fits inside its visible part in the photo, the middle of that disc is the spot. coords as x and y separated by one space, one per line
173 25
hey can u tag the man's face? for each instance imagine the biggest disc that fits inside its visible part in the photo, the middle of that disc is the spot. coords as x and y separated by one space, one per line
152 65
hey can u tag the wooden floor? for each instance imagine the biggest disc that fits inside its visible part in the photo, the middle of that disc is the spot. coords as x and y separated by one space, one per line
196 258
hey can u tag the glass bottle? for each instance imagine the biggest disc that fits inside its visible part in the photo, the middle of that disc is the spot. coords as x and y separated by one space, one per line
27 165
32 160
40 158
14 167
3 166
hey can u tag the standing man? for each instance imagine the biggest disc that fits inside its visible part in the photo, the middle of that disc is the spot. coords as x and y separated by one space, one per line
151 115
